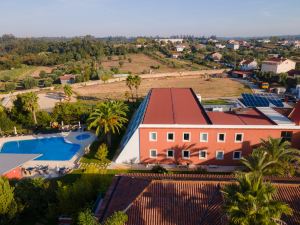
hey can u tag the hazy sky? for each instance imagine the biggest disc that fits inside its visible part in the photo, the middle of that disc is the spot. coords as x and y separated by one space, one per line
149 17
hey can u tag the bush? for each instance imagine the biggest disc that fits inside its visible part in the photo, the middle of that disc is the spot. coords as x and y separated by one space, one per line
48 82
101 155
159 169
29 82
10 86
118 218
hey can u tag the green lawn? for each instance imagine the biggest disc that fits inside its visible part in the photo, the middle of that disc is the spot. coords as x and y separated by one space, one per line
215 102
16 74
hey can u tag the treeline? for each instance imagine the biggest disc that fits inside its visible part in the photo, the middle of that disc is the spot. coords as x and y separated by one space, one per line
47 52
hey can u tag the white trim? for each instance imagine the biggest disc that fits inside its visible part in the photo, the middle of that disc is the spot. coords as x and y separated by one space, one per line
183 154
209 126
189 136
218 139
217 154
171 157
152 157
237 158
235 141
168 136
150 136
201 140
205 154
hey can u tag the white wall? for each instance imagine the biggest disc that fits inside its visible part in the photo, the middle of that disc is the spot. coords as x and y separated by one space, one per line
283 67
131 152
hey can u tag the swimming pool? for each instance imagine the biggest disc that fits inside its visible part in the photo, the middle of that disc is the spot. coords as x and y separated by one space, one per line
54 148
81 137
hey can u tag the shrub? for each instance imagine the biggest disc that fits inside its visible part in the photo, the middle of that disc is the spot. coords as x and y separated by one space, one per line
10 86
159 169
118 218
29 82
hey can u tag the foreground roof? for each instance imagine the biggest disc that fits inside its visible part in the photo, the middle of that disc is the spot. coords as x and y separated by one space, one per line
174 106
9 161
182 199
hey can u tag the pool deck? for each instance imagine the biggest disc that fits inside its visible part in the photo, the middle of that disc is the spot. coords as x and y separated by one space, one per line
69 137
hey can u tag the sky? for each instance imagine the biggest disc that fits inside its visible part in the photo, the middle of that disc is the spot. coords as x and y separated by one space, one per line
101 18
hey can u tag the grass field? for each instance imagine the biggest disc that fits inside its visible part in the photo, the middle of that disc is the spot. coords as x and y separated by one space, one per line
213 88
140 63
20 73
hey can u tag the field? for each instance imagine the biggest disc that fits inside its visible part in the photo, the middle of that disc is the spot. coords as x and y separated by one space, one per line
140 63
212 88
20 73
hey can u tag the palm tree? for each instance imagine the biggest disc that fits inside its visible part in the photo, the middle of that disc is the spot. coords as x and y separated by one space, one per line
130 82
283 154
258 162
30 103
250 202
68 91
137 82
108 118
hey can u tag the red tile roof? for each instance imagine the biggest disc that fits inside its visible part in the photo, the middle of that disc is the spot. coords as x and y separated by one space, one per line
158 199
67 77
247 116
295 114
174 106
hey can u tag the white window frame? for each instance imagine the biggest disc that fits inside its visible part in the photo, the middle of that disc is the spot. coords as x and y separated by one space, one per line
189 136
236 134
237 158
150 136
201 140
152 157
205 154
217 155
171 157
168 140
182 154
219 139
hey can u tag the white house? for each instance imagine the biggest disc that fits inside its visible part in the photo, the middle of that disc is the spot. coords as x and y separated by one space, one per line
180 48
278 65
232 44
220 46
248 65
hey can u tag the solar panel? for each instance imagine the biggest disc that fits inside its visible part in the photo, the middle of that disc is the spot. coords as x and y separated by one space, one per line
261 100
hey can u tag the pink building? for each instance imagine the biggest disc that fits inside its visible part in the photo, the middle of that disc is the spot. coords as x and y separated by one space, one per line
172 127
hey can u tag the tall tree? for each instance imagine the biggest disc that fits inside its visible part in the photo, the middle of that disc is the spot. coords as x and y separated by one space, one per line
137 82
30 103
130 82
108 118
68 91
8 205
250 202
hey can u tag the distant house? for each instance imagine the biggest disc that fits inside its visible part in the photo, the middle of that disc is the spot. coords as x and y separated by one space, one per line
294 73
248 65
67 79
180 48
234 45
172 40
296 44
241 74
220 46
278 65
215 56
175 56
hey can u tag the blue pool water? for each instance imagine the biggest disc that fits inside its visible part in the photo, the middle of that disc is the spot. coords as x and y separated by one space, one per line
51 148
83 137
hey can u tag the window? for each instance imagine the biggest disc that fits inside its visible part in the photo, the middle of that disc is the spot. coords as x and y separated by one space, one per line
237 155
186 154
220 155
170 153
153 136
170 136
202 154
153 153
239 137
286 135
203 137
221 137
186 136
